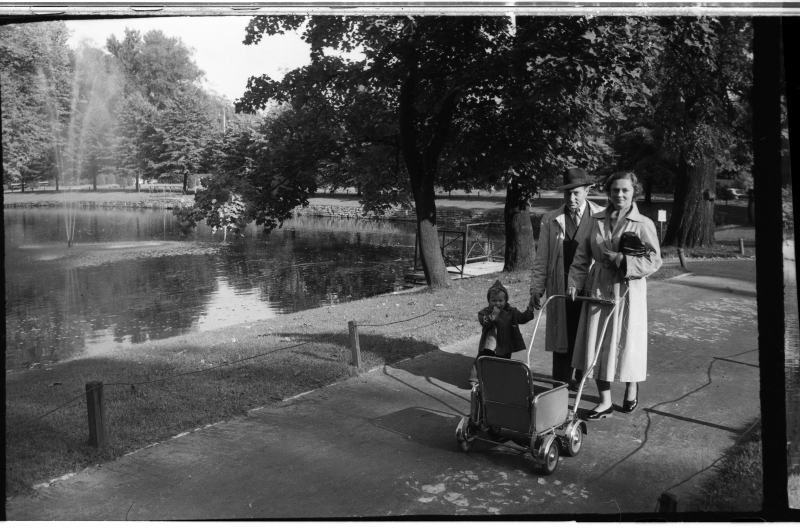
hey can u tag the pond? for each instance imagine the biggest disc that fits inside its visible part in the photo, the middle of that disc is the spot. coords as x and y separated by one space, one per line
132 276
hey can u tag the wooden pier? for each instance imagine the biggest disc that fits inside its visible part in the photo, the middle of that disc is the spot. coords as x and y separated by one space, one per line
470 271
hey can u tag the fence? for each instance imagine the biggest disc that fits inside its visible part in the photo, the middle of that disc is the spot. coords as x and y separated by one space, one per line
476 242
96 404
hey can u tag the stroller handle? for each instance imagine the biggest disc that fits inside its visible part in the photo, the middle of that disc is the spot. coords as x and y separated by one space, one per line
589 299
595 300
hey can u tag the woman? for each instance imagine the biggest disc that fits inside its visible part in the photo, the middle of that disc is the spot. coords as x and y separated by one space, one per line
615 275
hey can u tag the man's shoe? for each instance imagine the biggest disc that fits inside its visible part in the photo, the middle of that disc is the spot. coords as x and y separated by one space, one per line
595 415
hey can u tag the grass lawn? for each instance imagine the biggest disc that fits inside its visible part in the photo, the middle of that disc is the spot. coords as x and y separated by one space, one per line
110 195
794 491
138 414
736 484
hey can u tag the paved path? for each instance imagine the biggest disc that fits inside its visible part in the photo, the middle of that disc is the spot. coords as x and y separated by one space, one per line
383 444
731 276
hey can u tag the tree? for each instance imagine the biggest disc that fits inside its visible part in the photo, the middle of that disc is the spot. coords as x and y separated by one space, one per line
702 111
640 149
97 90
35 73
421 70
565 79
157 66
135 133
262 171
463 102
181 136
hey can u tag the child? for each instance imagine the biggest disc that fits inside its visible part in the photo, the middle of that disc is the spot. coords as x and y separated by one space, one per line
501 336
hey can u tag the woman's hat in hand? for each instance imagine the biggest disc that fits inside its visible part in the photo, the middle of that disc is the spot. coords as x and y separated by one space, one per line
631 245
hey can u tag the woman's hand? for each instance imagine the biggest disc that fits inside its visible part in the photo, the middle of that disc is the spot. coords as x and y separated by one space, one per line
572 292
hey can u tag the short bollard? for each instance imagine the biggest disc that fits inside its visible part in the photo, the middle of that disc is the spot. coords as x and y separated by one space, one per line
668 503
741 246
354 346
682 258
94 403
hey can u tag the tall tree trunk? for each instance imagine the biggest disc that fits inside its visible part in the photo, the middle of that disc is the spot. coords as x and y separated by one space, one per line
648 191
519 231
692 221
433 264
421 167
185 182
137 182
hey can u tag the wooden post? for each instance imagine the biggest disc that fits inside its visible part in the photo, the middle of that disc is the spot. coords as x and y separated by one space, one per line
668 503
741 246
94 403
682 258
354 347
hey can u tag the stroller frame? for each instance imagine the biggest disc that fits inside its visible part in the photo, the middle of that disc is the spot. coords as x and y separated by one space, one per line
504 406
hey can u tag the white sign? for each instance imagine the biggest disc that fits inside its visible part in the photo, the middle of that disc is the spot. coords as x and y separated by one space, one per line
662 216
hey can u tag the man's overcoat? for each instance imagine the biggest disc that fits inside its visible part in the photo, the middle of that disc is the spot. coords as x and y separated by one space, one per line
548 271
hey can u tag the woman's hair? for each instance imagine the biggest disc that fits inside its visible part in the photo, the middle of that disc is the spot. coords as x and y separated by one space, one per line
623 175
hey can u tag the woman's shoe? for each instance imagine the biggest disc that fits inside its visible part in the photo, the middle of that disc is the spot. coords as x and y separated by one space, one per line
630 406
594 415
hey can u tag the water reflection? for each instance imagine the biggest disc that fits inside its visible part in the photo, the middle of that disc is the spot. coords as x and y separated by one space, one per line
133 277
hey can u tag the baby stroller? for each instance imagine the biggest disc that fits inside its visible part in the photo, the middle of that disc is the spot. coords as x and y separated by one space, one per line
504 406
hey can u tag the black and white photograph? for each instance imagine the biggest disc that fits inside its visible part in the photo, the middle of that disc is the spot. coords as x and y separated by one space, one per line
400 261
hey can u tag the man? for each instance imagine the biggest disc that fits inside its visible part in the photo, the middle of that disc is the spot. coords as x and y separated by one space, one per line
560 232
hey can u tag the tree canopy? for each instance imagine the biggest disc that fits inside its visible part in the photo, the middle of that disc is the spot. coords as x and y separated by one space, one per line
696 123
35 76
462 101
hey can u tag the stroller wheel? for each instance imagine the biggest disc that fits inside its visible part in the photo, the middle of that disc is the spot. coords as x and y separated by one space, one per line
574 440
551 455
465 435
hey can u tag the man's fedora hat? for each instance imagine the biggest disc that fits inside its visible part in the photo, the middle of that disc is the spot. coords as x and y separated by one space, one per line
574 178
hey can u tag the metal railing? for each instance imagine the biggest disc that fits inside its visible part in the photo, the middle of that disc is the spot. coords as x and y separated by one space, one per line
476 244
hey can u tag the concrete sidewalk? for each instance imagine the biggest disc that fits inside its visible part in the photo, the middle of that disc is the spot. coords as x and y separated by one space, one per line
383 444
728 276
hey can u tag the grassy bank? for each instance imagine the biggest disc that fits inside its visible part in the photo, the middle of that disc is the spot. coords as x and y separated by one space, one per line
138 414
794 492
736 484
90 196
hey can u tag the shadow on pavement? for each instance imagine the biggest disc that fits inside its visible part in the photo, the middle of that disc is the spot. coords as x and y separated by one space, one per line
436 429
735 433
450 368
428 427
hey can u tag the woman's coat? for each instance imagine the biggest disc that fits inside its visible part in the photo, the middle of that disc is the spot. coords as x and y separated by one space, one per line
623 356
548 271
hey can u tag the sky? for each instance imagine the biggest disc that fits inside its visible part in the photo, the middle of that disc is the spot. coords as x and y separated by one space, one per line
217 43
